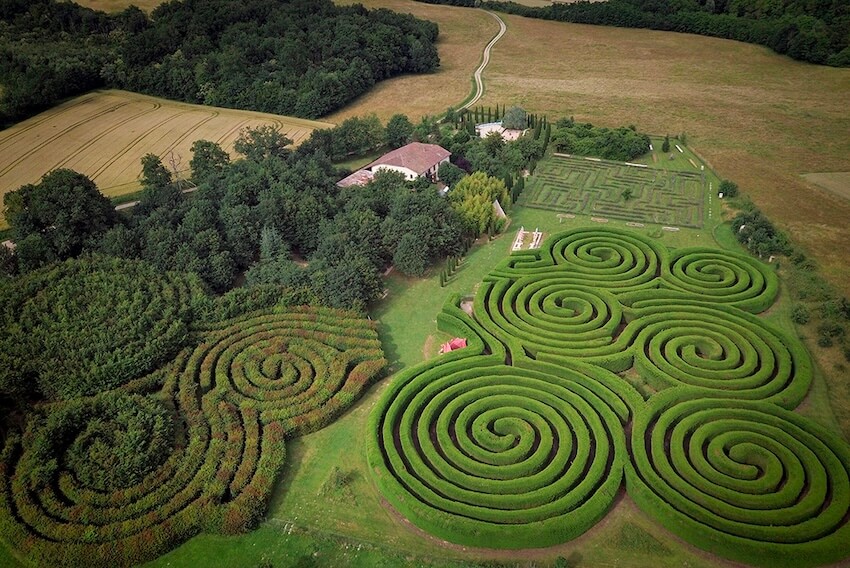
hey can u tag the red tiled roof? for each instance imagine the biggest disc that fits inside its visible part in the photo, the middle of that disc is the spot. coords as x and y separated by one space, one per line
416 156
360 177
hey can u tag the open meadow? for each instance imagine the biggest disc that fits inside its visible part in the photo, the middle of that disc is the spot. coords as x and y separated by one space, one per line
104 135
118 5
758 118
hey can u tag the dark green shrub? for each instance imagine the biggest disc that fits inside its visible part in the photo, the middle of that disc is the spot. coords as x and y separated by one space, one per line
800 314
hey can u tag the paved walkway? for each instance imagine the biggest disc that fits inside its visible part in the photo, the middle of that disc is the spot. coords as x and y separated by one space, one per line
479 82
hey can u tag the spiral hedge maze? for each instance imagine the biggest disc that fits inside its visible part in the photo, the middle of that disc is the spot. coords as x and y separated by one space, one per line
585 187
127 475
525 438
89 324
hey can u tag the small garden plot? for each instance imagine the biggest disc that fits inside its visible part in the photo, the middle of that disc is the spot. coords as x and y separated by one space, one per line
524 438
609 189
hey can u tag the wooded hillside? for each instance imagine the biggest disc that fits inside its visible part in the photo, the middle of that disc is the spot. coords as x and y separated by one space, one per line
302 57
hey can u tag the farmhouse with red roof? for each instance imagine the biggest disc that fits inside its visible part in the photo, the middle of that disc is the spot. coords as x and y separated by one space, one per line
414 161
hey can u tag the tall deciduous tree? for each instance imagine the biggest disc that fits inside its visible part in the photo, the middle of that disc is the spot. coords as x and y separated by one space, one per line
514 119
261 143
208 161
154 174
53 219
398 131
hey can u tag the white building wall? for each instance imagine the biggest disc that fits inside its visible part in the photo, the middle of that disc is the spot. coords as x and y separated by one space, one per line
409 174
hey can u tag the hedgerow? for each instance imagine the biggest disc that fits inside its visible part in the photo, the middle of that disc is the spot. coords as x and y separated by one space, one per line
91 324
745 479
122 477
501 456
515 441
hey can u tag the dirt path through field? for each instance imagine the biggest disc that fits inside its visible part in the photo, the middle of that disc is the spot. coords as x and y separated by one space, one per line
479 81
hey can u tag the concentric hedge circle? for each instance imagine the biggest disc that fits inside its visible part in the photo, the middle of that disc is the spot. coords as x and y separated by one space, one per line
551 315
606 258
722 277
747 480
215 444
466 445
722 350
500 456
299 368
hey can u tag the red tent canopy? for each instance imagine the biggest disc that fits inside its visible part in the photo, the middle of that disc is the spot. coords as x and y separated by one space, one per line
456 343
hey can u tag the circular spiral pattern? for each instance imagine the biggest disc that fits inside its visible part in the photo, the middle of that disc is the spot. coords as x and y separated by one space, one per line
206 458
472 450
609 259
551 315
745 479
501 456
727 352
298 368
723 277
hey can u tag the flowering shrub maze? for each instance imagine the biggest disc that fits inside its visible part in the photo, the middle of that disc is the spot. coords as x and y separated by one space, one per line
124 476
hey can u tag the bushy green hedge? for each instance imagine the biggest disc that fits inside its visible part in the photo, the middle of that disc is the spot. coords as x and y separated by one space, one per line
493 455
720 350
87 325
471 446
745 479
200 454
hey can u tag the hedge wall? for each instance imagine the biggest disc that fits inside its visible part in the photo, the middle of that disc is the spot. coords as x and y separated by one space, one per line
517 440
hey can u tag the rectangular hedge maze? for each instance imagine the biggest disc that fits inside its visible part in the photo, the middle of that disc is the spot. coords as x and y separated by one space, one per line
585 187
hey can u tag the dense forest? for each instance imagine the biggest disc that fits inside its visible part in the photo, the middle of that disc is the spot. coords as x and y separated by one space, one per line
300 57
817 31
111 296
269 228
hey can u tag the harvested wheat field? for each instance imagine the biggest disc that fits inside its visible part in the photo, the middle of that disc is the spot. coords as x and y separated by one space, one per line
119 5
759 118
104 134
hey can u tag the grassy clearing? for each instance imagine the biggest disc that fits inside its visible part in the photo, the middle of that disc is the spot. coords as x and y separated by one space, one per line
753 115
119 5
104 134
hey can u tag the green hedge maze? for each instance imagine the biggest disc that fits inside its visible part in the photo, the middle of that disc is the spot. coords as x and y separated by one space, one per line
584 187
124 476
525 438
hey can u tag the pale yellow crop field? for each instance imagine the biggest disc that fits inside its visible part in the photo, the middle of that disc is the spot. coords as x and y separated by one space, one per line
119 5
104 134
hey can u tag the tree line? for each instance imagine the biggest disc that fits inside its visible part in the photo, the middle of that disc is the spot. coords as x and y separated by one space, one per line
303 57
817 31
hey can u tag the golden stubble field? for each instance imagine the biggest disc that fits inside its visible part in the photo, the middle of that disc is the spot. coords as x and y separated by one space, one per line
760 119
104 134
118 5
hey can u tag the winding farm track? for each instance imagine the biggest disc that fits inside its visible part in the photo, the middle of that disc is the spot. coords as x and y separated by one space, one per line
479 82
